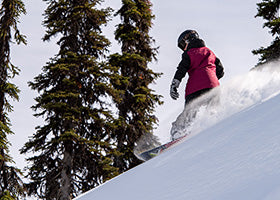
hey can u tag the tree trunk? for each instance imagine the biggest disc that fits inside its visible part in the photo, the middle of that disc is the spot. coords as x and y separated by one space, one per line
65 190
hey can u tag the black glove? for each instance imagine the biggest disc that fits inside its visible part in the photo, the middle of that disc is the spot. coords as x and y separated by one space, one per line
173 89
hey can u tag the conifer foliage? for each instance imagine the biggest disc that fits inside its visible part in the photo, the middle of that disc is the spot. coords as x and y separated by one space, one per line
72 151
11 186
136 102
269 11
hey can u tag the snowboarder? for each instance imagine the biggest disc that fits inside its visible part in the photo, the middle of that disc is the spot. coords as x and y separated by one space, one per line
203 67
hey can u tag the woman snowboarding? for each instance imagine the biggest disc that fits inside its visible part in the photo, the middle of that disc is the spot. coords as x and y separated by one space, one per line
204 70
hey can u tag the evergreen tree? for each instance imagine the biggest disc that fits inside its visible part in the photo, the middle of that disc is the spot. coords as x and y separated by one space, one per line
136 102
73 150
11 185
269 11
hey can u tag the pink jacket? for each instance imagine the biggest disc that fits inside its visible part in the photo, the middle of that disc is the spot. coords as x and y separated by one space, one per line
202 71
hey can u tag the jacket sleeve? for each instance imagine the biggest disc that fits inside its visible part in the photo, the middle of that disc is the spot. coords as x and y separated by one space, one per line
183 67
219 68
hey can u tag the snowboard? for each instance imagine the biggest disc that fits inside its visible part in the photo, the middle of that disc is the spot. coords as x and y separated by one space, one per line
147 155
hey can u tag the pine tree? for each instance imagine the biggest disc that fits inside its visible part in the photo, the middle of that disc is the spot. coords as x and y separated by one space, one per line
136 102
73 150
11 185
269 11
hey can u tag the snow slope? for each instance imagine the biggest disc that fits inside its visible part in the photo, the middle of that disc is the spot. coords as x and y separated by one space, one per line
236 157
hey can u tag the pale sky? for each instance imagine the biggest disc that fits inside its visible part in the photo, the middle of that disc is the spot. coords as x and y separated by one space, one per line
227 27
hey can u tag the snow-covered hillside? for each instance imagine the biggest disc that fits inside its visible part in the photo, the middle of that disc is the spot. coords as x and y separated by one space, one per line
233 154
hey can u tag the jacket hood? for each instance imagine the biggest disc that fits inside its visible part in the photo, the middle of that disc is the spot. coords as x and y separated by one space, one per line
196 43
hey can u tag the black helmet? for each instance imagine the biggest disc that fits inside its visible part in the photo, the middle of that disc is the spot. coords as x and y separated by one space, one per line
186 36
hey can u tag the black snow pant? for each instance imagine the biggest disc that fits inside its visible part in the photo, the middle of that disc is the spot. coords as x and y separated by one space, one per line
183 121
189 98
